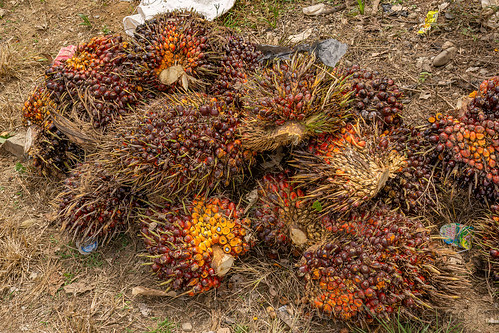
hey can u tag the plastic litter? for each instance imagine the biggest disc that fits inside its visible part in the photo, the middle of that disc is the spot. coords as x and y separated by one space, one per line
88 246
457 234
429 21
210 9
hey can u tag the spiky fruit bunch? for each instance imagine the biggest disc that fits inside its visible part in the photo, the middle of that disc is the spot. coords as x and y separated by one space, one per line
240 60
468 151
375 99
413 188
377 263
180 144
488 231
280 220
291 101
193 246
92 82
53 154
38 107
343 171
485 102
172 47
93 204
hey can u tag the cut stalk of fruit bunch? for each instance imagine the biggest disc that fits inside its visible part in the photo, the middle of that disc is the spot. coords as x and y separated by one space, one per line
343 171
292 100
378 263
193 245
179 144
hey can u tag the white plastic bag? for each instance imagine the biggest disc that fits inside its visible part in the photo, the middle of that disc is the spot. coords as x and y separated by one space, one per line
210 9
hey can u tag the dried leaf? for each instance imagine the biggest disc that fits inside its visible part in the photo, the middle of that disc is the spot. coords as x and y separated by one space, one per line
152 292
77 288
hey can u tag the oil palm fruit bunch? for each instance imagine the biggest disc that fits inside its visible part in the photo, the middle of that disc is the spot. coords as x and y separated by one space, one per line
376 263
93 204
37 108
374 98
194 244
52 153
290 101
281 221
343 171
485 102
468 150
488 232
239 61
414 188
173 48
179 144
92 81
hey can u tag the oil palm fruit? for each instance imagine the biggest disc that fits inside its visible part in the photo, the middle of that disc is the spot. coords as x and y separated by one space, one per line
376 263
173 49
194 244
488 241
374 98
280 220
290 101
92 81
343 171
93 204
239 61
179 144
37 108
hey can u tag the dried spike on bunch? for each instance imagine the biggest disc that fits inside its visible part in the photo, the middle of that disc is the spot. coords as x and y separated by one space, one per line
414 189
194 244
374 98
92 81
239 61
378 263
280 220
342 172
488 243
52 153
290 101
175 49
37 108
467 146
179 144
93 204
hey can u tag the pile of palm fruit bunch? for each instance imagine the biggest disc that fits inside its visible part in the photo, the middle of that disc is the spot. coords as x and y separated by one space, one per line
194 244
186 113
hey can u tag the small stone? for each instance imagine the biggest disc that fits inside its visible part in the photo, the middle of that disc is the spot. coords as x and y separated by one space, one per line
2 12
315 9
223 330
412 16
444 57
15 145
187 327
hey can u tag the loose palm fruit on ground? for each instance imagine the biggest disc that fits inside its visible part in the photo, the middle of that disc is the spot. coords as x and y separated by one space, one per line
290 101
239 61
413 189
175 46
343 171
468 150
37 108
374 98
53 155
488 241
280 220
194 244
93 204
179 144
377 263
92 81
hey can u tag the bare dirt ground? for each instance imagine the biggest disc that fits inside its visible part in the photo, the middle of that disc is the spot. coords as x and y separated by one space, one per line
47 286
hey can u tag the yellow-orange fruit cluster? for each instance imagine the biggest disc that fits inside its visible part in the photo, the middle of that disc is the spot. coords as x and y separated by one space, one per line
36 109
